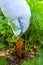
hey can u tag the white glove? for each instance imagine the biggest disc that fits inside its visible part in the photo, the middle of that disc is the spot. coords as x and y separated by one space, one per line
17 10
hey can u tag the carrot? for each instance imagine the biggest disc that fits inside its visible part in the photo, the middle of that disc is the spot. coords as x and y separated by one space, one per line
19 48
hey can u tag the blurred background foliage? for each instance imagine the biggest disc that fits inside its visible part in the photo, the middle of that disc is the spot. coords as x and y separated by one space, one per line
32 37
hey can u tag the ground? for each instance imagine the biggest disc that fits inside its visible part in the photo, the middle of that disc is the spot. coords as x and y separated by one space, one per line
13 59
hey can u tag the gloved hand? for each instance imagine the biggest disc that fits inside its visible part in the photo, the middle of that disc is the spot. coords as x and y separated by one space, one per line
18 11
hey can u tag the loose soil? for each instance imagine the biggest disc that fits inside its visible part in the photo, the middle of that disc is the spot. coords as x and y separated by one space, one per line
13 59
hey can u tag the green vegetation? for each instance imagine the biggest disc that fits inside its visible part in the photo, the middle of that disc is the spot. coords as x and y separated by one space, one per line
33 36
34 61
3 61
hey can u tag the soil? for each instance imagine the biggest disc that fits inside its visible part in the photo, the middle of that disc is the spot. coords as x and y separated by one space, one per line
13 59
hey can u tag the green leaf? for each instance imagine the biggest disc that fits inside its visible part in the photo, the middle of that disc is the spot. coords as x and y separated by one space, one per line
14 39
3 61
2 46
40 52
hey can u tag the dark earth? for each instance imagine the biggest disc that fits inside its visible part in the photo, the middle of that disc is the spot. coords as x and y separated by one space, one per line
13 59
